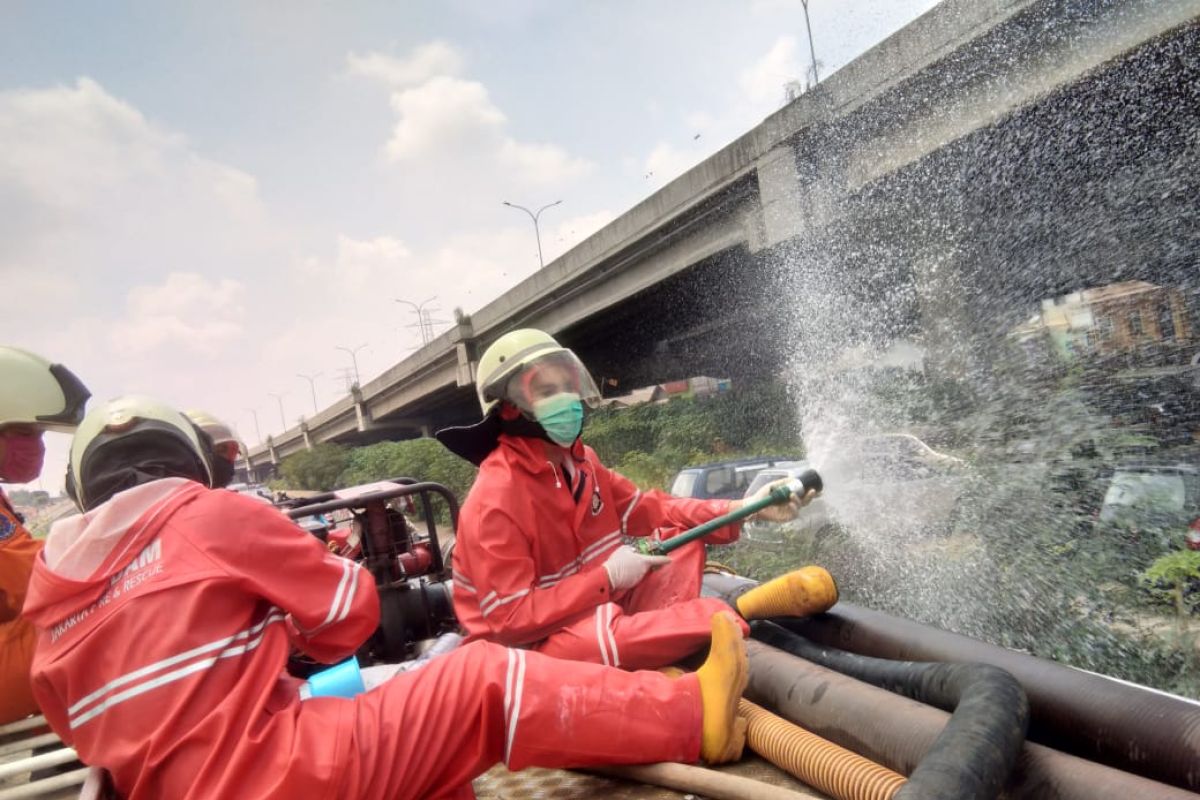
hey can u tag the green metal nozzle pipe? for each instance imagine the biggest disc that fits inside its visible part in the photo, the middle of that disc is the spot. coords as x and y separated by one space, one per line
807 481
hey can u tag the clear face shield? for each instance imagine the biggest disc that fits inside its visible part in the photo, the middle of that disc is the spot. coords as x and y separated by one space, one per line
547 377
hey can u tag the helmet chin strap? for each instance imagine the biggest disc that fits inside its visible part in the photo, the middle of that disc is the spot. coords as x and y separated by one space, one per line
524 426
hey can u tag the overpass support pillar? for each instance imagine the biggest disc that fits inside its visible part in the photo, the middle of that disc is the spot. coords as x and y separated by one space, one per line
465 351
798 186
304 433
779 192
272 451
362 415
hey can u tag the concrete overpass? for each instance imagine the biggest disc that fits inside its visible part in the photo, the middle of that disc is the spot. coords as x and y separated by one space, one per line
660 292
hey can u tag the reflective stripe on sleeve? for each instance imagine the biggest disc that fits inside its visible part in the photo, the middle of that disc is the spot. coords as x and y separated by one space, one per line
499 600
463 581
152 677
594 550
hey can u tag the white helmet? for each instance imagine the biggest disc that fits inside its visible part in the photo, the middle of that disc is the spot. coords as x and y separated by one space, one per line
523 367
34 391
507 367
225 441
132 425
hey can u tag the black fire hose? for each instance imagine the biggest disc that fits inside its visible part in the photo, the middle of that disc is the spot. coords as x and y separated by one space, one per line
1129 727
897 732
974 754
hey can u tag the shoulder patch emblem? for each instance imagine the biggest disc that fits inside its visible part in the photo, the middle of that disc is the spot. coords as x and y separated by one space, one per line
7 526
597 501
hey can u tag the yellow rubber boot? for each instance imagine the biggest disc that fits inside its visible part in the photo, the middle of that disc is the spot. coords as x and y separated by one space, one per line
805 591
723 678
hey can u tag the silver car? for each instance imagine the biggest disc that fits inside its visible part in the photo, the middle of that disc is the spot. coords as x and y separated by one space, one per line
1158 499
890 481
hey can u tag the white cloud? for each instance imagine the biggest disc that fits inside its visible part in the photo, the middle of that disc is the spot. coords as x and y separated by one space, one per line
186 314
764 80
365 264
441 116
430 60
451 122
133 255
66 145
89 187
542 163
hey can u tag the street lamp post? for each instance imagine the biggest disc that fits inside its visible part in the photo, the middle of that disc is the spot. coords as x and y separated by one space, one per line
811 51
424 324
311 385
353 351
257 429
536 231
279 399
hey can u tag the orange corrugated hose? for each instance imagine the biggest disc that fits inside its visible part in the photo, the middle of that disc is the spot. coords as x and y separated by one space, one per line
834 770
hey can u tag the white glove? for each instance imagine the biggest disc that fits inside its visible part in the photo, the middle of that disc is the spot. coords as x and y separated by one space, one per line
626 567
779 512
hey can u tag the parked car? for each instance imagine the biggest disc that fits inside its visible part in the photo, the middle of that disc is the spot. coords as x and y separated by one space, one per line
890 481
892 456
726 480
813 517
1154 499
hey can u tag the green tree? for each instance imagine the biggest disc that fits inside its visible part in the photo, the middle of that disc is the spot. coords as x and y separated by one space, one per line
318 469
421 459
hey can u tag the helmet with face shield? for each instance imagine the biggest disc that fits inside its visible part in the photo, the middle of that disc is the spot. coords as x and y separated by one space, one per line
544 380
226 447
528 365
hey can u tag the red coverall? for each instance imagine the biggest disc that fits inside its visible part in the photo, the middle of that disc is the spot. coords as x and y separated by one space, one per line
528 561
164 621
18 550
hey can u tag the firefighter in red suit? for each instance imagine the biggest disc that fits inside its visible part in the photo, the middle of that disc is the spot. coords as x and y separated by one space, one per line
35 396
539 560
166 611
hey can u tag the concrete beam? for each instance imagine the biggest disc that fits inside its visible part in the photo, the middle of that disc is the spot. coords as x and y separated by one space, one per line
1016 62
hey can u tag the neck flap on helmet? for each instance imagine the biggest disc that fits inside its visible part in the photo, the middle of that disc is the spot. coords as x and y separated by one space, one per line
114 462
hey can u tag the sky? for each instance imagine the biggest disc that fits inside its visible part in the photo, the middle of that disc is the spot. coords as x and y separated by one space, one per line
202 201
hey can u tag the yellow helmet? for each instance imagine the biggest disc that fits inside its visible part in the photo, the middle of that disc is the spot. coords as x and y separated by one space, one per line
34 391
218 431
118 421
510 356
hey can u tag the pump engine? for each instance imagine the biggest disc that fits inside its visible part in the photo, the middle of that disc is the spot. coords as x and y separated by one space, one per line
371 524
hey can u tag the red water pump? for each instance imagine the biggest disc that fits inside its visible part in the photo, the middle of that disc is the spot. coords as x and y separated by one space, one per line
373 527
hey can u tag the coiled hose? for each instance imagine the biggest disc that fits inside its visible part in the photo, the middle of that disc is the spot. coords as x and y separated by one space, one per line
974 754
897 732
1129 727
834 770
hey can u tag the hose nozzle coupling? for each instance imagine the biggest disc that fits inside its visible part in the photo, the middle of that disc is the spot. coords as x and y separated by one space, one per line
799 486
809 480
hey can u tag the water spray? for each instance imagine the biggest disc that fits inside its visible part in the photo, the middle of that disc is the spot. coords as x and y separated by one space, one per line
807 481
